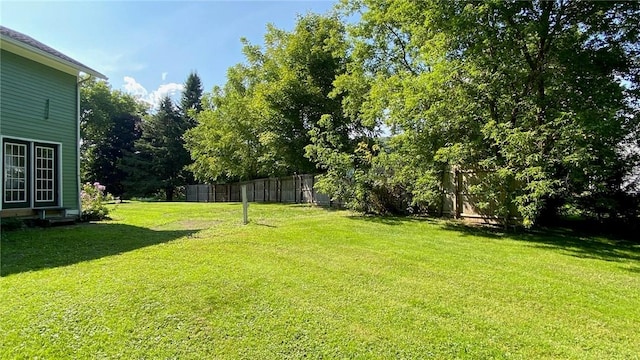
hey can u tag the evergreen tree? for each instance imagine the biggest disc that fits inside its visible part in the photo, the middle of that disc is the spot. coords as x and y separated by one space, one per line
190 107
158 164
191 101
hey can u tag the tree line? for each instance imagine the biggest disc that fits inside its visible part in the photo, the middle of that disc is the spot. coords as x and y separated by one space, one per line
131 151
541 96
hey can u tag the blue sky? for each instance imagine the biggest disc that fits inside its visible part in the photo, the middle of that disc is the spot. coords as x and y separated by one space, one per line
148 48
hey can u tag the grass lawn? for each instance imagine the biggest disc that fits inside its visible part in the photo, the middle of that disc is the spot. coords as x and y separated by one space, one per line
189 281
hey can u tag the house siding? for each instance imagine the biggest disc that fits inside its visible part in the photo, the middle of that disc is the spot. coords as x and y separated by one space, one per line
26 86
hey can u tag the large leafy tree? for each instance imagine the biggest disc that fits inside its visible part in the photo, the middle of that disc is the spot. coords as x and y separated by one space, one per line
109 124
298 70
540 95
225 144
259 123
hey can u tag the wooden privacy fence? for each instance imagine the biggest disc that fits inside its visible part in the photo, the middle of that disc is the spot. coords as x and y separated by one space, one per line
290 189
457 199
460 202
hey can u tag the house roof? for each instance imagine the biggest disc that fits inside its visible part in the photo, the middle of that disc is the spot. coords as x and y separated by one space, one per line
28 43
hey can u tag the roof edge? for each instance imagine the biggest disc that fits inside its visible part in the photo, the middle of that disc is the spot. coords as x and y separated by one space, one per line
74 65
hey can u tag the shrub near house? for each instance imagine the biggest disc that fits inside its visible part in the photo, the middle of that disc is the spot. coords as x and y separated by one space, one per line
94 201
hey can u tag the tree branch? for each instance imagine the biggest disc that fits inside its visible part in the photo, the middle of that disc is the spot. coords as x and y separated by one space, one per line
522 41
400 42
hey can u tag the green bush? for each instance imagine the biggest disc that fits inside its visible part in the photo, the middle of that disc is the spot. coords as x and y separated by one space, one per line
9 224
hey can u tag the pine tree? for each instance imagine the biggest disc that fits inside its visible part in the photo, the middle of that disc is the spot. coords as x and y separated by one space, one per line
158 164
191 100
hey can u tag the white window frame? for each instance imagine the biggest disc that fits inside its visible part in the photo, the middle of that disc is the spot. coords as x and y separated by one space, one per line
7 178
58 164
39 169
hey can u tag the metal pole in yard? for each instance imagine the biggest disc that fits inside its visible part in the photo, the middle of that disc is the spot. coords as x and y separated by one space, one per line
245 205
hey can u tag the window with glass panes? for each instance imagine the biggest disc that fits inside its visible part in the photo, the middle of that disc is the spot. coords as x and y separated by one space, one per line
44 174
15 173
30 173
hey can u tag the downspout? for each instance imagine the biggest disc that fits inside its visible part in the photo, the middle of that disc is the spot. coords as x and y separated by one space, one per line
79 83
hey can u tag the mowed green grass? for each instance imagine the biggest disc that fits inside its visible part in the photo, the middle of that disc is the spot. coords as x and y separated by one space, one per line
189 281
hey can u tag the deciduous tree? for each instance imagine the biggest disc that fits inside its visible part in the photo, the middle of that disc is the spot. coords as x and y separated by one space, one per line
110 124
542 94
259 123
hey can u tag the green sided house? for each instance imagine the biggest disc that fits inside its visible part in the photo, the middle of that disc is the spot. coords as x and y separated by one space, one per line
39 128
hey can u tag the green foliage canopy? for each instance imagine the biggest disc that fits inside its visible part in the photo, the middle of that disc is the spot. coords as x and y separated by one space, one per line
158 163
542 97
109 126
541 94
191 99
258 124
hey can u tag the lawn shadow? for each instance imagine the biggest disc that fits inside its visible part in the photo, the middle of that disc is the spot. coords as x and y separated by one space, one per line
389 219
559 239
37 249
262 224
567 241
635 269
326 207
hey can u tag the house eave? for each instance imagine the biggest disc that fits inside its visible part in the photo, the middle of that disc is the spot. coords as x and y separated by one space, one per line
38 55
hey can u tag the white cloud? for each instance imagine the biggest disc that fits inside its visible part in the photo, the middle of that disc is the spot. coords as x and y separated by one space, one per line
134 88
164 76
153 98
173 90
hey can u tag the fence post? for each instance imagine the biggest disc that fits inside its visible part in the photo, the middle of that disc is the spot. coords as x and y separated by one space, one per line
458 197
299 180
443 191
245 204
